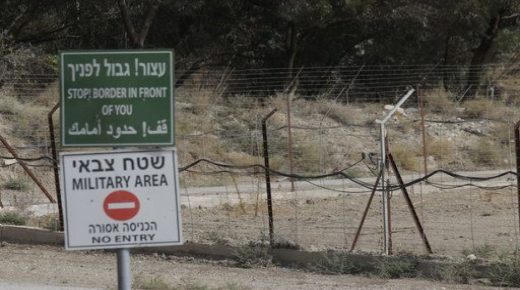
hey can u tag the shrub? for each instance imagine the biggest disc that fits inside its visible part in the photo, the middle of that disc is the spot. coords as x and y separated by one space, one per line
507 270
442 150
217 238
306 156
333 262
485 153
406 156
253 254
12 218
50 222
285 244
484 251
20 184
396 267
459 272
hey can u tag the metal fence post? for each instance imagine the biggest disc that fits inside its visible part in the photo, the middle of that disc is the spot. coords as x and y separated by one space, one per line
517 150
56 163
387 240
268 177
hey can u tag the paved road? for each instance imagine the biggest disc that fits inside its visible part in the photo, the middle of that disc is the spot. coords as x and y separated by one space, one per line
215 195
211 196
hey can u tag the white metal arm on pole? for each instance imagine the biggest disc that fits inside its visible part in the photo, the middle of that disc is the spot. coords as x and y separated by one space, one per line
382 164
397 106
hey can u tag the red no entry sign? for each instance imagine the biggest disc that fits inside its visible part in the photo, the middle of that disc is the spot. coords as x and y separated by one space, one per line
121 205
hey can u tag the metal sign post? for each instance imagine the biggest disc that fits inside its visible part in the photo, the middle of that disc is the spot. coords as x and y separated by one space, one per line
382 165
124 274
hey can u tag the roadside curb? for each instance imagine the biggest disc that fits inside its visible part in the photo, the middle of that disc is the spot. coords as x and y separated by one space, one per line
30 235
285 257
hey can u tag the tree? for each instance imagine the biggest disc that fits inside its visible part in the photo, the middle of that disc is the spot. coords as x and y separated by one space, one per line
137 38
500 15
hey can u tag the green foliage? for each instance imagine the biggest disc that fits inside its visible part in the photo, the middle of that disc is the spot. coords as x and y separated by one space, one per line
507 270
16 183
256 33
459 273
253 254
285 244
485 251
12 218
396 267
333 262
50 222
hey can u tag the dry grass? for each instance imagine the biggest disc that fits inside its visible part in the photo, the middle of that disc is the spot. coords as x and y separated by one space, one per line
486 153
500 111
406 156
345 115
30 118
503 133
306 157
443 150
475 109
327 109
438 101
241 158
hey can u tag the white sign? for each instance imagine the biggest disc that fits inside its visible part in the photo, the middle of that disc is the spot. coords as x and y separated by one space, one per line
120 199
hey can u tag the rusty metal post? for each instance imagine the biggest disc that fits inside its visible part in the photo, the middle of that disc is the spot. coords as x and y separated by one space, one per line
289 139
27 170
410 204
268 178
388 199
56 163
389 195
517 150
365 213
423 131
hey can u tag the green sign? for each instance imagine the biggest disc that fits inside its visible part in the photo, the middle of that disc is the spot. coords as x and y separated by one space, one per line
117 98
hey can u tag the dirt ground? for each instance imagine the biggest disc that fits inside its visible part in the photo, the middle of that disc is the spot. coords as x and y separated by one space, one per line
455 221
45 265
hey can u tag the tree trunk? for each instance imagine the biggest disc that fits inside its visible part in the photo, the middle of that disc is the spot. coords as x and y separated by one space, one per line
138 38
480 54
445 73
291 49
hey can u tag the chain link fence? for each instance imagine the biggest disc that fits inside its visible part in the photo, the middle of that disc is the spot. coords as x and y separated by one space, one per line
324 161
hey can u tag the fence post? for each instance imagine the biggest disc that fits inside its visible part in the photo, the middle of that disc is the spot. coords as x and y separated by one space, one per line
423 131
517 150
410 204
360 227
268 177
56 163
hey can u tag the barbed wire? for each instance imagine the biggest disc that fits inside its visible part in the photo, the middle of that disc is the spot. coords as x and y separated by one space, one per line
379 79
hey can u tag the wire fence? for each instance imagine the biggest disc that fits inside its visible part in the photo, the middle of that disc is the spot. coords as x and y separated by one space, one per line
460 175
